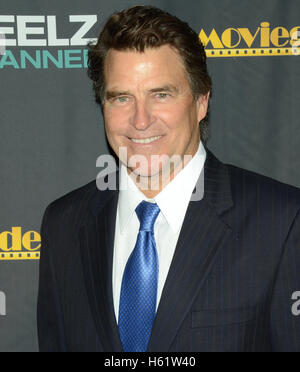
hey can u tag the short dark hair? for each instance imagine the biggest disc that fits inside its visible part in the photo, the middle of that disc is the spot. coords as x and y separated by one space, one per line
142 27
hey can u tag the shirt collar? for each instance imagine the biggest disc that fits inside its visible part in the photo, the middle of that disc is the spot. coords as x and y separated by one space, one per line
173 200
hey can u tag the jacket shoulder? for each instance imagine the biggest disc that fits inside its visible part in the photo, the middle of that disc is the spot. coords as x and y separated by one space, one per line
71 205
79 194
248 182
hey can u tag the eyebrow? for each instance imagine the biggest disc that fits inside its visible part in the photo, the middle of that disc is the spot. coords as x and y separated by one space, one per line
114 93
165 88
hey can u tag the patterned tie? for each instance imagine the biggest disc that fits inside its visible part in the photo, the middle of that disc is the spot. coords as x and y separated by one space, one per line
139 284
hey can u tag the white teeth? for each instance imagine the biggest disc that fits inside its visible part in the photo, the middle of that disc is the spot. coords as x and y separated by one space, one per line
146 140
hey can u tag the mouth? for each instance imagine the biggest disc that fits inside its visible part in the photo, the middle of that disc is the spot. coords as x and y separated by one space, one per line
145 140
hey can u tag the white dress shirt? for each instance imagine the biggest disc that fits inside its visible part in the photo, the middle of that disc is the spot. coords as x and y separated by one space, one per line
173 201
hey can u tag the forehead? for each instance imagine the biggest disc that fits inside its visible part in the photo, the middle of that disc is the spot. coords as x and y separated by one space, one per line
132 67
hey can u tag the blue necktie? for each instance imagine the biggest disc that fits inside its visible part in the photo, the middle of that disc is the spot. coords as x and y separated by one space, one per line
139 284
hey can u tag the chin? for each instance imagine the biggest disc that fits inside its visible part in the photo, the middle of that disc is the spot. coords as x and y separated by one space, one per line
144 172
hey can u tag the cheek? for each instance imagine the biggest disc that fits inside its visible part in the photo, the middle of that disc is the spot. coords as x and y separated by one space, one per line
171 116
180 120
114 122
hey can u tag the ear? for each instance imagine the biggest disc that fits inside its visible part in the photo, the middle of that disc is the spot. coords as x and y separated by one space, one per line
202 106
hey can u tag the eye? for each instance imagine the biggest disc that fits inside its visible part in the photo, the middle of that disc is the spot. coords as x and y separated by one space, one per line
162 96
121 99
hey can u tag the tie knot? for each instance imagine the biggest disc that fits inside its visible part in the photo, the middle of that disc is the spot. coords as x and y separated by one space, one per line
147 214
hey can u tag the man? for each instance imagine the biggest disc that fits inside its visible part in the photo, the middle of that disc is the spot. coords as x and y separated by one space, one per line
146 267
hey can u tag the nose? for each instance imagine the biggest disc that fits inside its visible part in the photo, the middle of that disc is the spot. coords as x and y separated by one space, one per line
142 117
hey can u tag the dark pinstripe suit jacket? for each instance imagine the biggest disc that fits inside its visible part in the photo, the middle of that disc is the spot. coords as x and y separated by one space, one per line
230 284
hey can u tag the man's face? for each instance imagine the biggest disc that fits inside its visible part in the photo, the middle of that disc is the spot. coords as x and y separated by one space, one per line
149 108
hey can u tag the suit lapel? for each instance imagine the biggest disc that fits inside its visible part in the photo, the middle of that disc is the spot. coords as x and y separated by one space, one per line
96 241
202 234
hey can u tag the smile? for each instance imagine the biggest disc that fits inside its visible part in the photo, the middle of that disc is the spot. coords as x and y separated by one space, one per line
145 140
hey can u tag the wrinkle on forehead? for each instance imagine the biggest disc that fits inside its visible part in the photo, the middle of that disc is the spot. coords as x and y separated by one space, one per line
126 70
